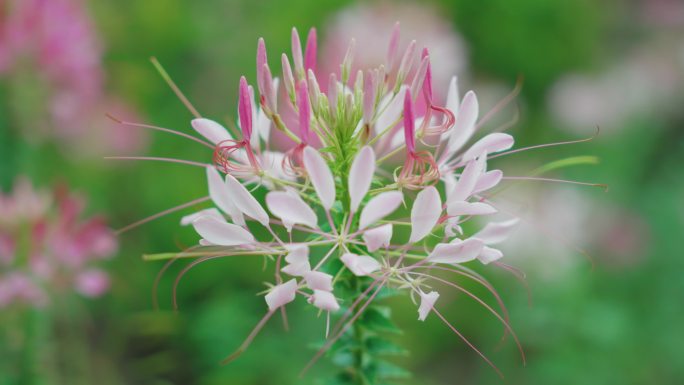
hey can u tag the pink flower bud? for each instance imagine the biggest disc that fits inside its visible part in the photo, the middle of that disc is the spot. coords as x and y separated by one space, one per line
245 109
409 128
310 53
288 77
368 97
261 61
297 54
304 108
427 83
393 48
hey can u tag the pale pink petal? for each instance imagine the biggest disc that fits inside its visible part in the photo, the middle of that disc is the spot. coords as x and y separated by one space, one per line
92 283
298 261
317 280
425 213
222 233
291 209
452 104
490 144
466 182
456 209
378 237
391 110
321 177
244 201
465 124
488 181
360 176
489 255
213 131
211 212
281 294
497 232
457 251
324 300
360 265
379 207
427 302
221 196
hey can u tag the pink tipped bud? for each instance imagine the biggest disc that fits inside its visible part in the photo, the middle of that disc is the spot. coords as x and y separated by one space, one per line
409 128
405 66
304 108
245 109
288 78
314 89
332 91
269 94
427 83
345 67
368 97
297 54
393 48
260 62
310 53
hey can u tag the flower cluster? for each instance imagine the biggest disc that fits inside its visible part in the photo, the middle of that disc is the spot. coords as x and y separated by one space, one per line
371 190
46 249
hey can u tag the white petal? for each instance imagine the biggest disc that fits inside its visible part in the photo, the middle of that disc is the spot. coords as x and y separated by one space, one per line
378 237
449 181
219 194
391 110
360 265
214 132
379 207
427 302
298 261
221 232
321 177
324 300
490 144
469 208
281 294
317 280
212 212
497 232
425 213
465 123
456 252
245 202
488 180
466 182
489 255
360 176
291 209
452 104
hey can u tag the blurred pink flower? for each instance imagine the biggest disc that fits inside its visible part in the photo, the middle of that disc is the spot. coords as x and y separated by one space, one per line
54 41
61 250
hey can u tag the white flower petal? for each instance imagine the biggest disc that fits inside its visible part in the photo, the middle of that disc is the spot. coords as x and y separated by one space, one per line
452 100
427 302
466 182
317 280
220 195
490 144
378 237
489 255
211 212
497 232
213 131
457 251
469 208
321 177
291 209
245 202
488 180
465 124
324 300
391 110
425 213
360 265
379 207
360 176
221 232
297 253
281 294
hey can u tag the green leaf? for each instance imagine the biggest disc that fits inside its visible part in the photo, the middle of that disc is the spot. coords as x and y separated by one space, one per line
385 370
381 347
378 319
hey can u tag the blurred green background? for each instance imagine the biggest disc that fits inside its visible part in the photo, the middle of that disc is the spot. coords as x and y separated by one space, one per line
614 64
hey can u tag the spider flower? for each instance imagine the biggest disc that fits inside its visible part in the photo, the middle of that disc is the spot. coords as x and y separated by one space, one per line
45 249
348 213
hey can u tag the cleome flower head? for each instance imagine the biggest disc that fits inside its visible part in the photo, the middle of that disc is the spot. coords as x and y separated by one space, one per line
372 193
